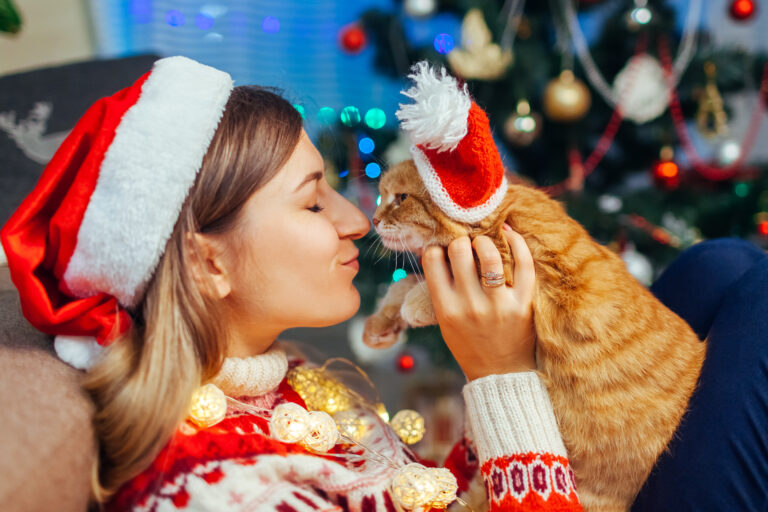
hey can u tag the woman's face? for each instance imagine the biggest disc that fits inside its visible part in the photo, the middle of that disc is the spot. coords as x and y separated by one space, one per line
295 259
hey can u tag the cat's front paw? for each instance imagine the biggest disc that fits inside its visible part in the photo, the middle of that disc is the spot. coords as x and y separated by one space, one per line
417 308
381 331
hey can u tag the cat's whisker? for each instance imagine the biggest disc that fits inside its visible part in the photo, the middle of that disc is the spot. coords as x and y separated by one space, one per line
411 260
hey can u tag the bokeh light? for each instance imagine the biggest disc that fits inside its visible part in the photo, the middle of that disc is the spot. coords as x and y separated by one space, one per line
300 109
270 25
373 170
375 118
378 201
366 145
443 43
350 116
174 18
326 115
344 173
203 21
399 274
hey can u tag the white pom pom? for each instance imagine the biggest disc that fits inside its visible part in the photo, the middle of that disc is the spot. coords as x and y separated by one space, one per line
82 352
438 117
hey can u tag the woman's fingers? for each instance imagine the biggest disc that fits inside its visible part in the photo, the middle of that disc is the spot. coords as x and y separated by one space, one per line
463 266
525 276
436 272
491 266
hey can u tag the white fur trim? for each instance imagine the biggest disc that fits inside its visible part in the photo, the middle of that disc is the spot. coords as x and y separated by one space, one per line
438 117
443 200
145 177
82 352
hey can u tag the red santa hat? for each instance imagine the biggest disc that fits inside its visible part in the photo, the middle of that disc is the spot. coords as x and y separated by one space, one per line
452 146
84 244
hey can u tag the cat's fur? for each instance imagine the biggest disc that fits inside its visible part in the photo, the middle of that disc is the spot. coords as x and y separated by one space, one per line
619 366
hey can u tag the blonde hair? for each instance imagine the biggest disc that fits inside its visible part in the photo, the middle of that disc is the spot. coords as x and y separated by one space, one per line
142 385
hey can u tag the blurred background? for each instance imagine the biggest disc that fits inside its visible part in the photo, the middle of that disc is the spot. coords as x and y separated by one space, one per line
646 118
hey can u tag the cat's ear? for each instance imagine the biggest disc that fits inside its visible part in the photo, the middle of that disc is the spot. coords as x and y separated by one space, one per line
207 265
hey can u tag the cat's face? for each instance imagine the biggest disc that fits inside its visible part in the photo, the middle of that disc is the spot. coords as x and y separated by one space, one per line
407 219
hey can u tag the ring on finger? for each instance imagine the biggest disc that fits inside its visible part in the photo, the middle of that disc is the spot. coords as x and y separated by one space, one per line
492 279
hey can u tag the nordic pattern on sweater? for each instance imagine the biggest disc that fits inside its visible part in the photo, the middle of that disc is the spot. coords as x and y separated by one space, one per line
236 466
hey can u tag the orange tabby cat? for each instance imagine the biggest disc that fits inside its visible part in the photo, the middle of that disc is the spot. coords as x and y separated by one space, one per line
619 366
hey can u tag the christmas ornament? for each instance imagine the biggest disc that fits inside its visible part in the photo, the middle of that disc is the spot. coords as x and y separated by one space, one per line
638 264
742 10
728 152
639 16
641 89
405 363
762 228
319 391
420 8
665 170
408 425
522 127
566 98
710 116
10 21
478 58
352 38
208 406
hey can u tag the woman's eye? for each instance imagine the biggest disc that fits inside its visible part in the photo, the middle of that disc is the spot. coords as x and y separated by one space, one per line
316 208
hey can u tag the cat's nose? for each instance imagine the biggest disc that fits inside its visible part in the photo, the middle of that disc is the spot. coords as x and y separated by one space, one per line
376 221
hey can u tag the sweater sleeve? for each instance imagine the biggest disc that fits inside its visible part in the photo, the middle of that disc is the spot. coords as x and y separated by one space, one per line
519 452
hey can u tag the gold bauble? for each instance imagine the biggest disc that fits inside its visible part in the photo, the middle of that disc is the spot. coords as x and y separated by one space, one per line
408 425
522 127
319 392
566 98
208 406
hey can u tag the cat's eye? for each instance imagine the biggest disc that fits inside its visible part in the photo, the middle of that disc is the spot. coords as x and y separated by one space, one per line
399 198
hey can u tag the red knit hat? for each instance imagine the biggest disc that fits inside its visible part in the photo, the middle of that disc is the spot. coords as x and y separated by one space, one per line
453 147
84 244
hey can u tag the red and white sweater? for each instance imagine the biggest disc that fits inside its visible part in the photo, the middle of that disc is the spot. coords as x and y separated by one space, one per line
511 459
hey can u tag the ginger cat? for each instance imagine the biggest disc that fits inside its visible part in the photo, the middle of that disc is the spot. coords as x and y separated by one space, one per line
619 366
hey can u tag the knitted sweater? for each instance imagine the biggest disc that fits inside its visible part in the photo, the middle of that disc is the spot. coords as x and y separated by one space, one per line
511 458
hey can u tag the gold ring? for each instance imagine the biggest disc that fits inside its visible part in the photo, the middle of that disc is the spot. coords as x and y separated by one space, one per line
492 279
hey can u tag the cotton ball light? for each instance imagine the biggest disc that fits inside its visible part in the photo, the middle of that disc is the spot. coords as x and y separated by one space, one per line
208 406
408 425
322 433
413 486
289 423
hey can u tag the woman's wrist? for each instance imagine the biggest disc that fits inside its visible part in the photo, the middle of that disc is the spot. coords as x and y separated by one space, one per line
511 413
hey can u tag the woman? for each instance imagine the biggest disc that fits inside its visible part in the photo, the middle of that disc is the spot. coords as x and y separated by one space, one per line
186 224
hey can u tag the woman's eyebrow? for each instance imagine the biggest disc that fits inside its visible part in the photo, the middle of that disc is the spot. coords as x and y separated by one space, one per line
317 175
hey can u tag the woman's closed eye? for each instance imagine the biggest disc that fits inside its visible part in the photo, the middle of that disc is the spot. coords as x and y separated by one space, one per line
315 208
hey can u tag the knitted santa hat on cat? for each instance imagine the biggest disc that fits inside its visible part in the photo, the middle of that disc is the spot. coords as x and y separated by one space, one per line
84 244
452 146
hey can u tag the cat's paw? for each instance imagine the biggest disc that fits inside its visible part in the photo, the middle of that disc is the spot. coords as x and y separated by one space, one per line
417 310
381 331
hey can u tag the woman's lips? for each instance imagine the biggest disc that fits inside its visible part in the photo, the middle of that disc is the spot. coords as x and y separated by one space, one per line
352 262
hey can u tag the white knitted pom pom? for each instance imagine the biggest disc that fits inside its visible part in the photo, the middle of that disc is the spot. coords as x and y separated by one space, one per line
82 352
438 117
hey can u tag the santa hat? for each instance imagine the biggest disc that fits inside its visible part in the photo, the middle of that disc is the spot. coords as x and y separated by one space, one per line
84 244
452 146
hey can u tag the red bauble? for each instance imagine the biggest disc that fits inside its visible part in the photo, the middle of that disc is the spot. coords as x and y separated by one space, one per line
405 363
742 9
352 38
666 173
762 228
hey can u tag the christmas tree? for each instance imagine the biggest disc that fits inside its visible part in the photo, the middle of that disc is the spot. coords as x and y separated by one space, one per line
632 132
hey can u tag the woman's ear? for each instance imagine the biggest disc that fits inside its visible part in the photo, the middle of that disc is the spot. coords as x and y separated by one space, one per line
207 264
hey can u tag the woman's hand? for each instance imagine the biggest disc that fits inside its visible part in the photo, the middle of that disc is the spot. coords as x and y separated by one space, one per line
488 330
